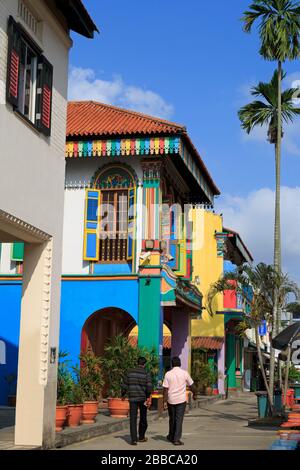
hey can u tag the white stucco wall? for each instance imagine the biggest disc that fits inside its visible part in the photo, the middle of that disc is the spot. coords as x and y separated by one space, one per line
32 192
79 172
6 265
32 189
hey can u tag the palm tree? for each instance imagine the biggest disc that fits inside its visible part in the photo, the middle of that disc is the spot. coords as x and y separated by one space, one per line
264 111
279 30
269 288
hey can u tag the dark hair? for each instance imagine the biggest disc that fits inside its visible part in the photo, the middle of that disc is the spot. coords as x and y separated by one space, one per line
176 362
141 361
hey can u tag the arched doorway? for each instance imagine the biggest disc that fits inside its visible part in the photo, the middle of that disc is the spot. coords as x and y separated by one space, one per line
103 325
167 343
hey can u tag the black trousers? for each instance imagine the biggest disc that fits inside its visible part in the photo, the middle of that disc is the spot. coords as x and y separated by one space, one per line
176 415
134 406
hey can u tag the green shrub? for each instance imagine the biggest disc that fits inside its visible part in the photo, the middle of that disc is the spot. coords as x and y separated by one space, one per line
119 356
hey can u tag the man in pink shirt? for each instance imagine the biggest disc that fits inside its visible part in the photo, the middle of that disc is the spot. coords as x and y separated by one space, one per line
174 385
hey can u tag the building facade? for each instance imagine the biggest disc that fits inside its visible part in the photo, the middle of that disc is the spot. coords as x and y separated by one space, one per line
34 50
231 354
127 257
127 260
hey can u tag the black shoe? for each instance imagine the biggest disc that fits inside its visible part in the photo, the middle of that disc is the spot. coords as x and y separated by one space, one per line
133 443
143 439
178 443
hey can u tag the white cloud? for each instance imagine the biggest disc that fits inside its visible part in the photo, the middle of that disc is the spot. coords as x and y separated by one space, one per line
84 85
253 218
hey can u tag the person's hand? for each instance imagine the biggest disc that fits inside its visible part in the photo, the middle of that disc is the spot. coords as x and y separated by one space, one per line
165 405
148 402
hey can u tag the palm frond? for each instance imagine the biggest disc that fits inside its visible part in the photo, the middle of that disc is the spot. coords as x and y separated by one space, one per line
255 113
266 112
279 27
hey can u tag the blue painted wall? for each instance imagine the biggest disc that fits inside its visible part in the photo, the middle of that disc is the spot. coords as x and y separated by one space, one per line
118 268
10 302
80 299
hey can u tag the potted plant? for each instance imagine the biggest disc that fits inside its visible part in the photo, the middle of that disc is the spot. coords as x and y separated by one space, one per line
75 405
91 382
210 379
197 367
205 377
119 356
64 389
117 359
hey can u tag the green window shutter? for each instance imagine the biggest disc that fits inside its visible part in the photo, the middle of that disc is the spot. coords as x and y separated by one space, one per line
17 251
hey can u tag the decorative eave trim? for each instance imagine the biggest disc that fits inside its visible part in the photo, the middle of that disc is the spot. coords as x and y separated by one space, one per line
23 227
143 146
123 147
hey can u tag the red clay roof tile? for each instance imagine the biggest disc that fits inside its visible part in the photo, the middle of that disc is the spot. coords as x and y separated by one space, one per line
198 342
90 118
86 118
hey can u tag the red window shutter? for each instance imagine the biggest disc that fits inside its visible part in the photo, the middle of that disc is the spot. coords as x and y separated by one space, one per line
44 95
13 62
14 74
46 106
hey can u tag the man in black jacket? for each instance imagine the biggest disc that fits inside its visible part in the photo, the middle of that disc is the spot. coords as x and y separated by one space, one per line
138 387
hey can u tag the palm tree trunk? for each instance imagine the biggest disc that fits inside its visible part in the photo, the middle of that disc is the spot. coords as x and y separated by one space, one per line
272 373
261 363
287 370
277 225
277 228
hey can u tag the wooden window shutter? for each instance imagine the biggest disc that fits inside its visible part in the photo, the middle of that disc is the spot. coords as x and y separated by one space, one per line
131 224
13 63
91 225
181 267
44 95
17 251
174 248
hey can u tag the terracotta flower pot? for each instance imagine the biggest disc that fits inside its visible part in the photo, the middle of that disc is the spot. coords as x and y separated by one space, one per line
61 416
74 415
118 408
89 412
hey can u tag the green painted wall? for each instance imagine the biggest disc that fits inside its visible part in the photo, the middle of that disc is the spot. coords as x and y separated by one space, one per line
150 322
230 360
241 355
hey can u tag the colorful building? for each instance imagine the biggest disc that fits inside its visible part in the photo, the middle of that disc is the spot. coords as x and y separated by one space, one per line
142 173
131 180
219 250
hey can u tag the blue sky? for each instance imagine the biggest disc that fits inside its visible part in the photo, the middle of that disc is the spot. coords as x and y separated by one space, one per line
192 63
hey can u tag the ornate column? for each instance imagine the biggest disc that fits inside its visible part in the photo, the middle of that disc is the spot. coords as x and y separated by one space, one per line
181 336
221 369
150 310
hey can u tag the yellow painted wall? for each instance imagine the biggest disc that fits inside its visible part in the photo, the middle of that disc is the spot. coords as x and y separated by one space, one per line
208 267
135 330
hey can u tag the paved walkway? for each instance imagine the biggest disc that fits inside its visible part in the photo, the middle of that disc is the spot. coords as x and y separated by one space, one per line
220 426
7 430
